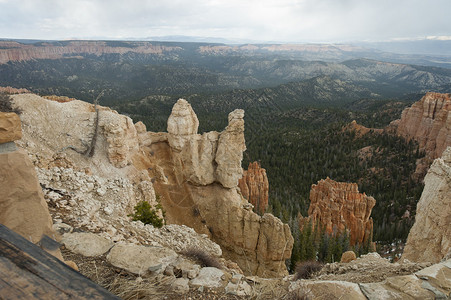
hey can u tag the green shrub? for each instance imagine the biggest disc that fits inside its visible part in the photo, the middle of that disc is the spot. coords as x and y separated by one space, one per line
146 214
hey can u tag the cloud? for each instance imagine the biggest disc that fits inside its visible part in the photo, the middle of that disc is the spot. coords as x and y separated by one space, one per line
282 20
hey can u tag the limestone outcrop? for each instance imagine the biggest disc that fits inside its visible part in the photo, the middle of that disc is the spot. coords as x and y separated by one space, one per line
260 245
339 206
254 187
194 176
211 156
427 121
230 150
429 239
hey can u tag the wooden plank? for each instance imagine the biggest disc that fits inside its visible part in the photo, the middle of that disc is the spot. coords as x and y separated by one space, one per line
44 276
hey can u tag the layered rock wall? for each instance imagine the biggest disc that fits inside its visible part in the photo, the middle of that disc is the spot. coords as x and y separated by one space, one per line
14 51
339 206
427 121
429 239
254 186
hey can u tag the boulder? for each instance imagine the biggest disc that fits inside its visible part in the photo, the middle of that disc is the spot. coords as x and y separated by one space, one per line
86 243
348 256
438 275
141 259
254 186
22 205
180 286
241 288
10 128
429 239
209 277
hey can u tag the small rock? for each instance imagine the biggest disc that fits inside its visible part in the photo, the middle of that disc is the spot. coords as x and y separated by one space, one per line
180 285
348 256
208 277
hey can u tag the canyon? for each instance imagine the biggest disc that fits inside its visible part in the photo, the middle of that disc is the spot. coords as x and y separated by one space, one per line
197 180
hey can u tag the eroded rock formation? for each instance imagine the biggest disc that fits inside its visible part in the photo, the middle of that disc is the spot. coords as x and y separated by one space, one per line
339 206
429 239
427 121
254 186
210 157
195 176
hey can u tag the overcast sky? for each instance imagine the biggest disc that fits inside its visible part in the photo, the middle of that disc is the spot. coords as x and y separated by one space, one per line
259 20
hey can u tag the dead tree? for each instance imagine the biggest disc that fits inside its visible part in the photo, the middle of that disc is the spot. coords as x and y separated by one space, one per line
89 151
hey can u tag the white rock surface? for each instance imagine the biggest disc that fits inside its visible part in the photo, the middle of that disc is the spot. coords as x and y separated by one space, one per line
86 243
140 259
180 286
209 277
429 239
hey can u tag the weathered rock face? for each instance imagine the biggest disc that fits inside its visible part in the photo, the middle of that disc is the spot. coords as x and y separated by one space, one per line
339 206
196 177
254 187
260 245
22 205
429 239
210 157
182 124
10 129
427 121
231 146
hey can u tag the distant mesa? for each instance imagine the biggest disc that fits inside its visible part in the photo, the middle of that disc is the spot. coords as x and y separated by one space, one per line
14 51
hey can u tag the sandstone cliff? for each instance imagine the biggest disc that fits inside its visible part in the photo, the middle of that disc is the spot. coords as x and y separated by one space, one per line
254 187
427 121
429 239
339 206
196 177
360 130
14 51
22 205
